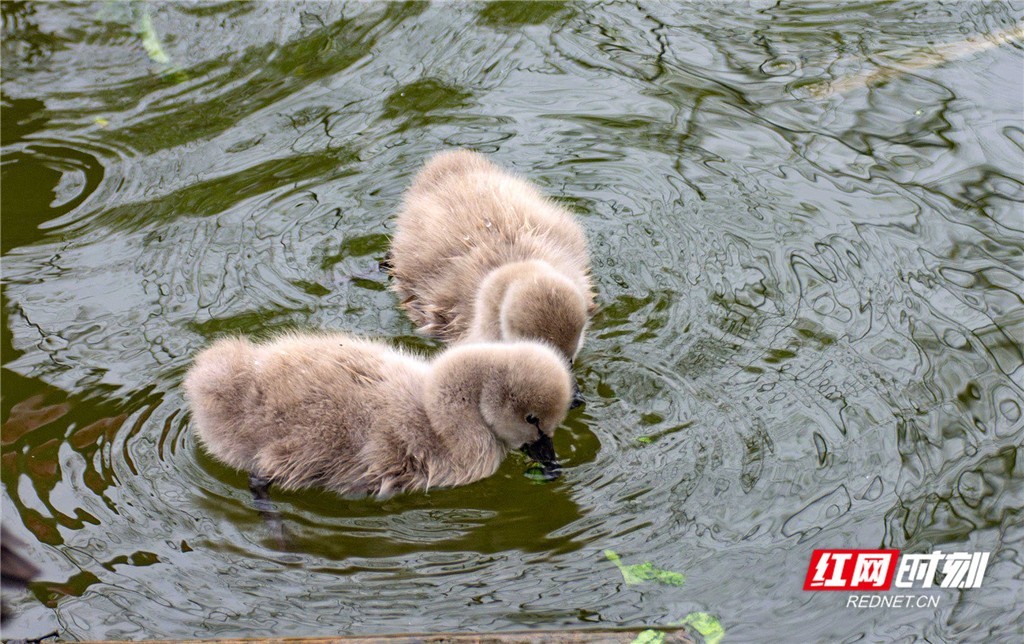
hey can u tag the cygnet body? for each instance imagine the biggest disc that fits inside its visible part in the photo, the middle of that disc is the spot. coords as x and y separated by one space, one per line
358 417
479 254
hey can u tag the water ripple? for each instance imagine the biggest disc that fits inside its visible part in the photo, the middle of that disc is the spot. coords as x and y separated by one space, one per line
806 237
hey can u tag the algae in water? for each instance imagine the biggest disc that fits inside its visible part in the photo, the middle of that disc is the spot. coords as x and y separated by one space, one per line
639 573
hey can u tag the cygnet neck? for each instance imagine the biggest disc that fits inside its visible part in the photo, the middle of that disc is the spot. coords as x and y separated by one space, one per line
452 403
494 294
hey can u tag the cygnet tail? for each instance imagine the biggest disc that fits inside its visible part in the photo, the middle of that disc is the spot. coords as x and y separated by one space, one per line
221 389
448 164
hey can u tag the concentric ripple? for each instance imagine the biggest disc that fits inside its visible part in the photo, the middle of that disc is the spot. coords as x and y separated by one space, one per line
806 225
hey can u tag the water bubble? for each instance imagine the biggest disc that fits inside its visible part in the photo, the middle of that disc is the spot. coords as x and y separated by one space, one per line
781 66
971 488
1010 410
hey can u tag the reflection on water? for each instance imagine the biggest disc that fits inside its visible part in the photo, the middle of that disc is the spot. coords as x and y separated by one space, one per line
810 332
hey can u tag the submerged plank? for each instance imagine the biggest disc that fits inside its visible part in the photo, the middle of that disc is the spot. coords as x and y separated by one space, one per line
610 636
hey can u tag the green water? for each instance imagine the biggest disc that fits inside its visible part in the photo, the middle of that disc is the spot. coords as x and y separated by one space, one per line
810 334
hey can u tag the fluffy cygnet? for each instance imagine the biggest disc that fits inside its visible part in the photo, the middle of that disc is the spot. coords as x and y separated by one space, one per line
359 417
480 255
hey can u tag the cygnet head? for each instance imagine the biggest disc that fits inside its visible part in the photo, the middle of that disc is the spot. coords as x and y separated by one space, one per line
524 391
541 304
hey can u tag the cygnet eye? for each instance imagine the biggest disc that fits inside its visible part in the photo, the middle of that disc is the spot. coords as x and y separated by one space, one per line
533 420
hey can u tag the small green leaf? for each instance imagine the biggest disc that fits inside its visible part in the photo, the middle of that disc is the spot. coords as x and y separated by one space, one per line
668 577
707 625
536 474
150 39
650 636
639 573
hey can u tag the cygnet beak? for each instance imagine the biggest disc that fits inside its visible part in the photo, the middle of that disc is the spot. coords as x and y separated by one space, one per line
542 450
577 397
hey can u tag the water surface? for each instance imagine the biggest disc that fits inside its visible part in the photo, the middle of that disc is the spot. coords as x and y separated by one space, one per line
810 333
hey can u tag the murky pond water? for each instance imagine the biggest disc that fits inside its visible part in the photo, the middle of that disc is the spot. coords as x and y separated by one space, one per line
810 334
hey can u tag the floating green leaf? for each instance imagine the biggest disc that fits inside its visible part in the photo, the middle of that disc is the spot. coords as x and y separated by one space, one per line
707 625
650 636
143 27
651 438
704 623
536 474
150 39
638 573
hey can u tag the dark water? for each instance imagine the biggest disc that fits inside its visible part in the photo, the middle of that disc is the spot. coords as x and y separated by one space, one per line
810 335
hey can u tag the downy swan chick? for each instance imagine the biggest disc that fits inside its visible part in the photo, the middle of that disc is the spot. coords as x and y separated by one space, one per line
359 417
479 254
